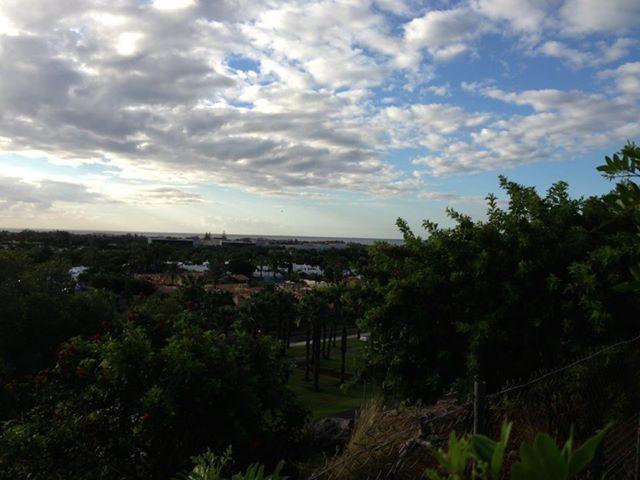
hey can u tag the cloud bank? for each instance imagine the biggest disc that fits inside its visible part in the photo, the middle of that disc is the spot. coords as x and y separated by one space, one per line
296 97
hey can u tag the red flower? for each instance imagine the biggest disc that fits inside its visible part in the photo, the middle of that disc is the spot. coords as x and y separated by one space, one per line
67 352
158 326
146 417
41 377
81 372
132 317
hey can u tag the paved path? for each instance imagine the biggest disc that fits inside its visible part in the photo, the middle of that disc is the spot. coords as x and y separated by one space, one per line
301 344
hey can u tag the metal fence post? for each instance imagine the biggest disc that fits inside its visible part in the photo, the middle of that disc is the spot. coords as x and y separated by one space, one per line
636 475
479 406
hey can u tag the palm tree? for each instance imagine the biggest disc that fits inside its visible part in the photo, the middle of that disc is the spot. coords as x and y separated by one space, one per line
316 354
217 268
173 270
343 351
307 349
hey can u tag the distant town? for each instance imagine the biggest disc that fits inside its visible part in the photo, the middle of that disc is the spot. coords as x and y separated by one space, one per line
209 240
238 265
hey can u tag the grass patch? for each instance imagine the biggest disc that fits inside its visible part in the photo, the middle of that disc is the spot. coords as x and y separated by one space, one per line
331 399
353 348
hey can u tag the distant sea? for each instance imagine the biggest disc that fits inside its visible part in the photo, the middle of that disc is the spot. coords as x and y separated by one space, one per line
230 236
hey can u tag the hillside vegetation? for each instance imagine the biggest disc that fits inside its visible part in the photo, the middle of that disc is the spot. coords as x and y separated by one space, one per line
543 279
113 378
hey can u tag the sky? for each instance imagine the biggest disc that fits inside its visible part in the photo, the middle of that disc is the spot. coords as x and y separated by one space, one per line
314 117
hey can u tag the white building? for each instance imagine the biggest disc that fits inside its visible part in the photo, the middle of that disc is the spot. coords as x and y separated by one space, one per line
307 269
211 242
192 267
265 272
75 272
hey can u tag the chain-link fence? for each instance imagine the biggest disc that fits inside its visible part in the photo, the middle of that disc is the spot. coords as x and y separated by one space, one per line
582 397
599 389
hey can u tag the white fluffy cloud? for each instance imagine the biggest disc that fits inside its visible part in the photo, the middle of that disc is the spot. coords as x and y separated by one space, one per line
445 34
602 54
14 192
283 97
626 77
428 125
561 122
587 16
525 15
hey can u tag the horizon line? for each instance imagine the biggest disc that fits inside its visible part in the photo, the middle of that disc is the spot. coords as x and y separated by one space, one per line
143 232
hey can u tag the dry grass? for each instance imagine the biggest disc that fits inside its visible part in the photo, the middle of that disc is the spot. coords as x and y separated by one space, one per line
390 443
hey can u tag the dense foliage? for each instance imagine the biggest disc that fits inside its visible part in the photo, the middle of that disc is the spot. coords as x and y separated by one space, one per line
104 376
39 310
530 287
139 399
271 311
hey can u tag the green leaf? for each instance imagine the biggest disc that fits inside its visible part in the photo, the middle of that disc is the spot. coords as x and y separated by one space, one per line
518 472
528 457
528 468
568 446
498 454
550 457
483 447
585 454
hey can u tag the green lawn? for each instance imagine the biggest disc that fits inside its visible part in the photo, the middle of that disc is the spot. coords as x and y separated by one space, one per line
353 347
331 399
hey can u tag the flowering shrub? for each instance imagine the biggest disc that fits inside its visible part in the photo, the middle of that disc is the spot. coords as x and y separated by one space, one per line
140 400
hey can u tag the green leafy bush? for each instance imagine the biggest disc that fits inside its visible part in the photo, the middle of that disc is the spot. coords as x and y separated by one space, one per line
479 457
535 283
208 466
38 311
139 400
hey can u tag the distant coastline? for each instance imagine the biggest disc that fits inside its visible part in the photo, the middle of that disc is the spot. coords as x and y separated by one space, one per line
231 236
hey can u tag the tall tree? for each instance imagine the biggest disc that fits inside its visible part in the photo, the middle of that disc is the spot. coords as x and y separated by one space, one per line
314 308
343 353
307 358
316 353
534 284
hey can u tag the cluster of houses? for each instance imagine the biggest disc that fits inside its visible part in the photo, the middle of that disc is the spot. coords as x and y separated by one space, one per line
263 272
239 286
269 273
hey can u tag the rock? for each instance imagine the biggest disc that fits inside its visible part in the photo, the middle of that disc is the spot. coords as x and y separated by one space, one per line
331 433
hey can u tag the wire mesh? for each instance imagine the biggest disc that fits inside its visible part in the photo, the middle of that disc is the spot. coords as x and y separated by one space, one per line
577 399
